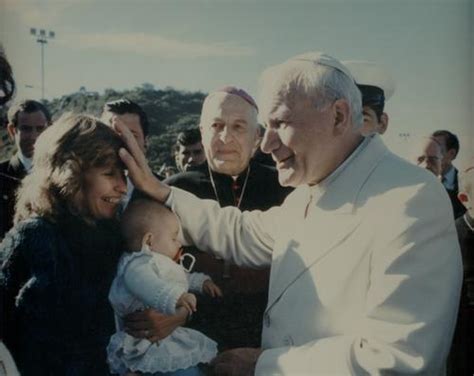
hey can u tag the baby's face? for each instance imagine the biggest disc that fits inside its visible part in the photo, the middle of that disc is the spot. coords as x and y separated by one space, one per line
165 239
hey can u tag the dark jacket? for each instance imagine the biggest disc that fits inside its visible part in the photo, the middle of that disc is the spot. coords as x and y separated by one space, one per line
54 283
11 174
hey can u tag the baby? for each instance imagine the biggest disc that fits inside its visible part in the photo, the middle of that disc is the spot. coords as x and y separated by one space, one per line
150 276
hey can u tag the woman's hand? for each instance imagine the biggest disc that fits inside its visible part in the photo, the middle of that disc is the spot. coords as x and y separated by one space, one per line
153 325
138 170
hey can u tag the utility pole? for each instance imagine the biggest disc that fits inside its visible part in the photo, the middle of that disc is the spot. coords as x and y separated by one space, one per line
42 36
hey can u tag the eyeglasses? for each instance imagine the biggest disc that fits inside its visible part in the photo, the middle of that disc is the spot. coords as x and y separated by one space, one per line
428 158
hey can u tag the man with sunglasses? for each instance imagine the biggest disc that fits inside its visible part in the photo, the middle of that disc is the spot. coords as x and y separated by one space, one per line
430 155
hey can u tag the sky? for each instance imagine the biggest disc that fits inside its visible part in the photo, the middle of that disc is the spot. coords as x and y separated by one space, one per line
427 45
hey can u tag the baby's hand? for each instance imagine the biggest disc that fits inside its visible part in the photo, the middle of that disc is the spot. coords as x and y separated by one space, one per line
211 289
188 301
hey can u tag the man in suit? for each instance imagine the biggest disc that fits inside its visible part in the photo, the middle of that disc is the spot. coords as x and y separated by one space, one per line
188 150
429 154
376 86
26 120
230 135
449 174
365 275
135 119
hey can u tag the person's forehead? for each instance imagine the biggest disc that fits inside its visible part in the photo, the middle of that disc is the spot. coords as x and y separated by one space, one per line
282 101
37 118
168 222
224 104
441 140
368 109
130 120
432 148
128 117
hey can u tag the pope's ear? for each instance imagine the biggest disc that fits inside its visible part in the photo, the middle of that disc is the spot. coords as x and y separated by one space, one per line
383 123
341 112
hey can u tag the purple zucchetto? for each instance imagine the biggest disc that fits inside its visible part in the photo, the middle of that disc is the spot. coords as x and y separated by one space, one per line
239 92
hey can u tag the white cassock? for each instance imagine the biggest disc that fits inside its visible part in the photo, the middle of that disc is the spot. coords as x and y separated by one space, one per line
367 283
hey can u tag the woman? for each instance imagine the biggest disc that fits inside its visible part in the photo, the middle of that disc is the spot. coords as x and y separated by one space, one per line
62 253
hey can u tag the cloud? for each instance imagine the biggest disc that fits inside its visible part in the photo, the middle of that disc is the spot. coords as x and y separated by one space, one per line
41 14
154 45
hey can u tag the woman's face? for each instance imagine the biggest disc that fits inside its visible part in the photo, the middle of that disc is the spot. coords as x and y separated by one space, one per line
104 189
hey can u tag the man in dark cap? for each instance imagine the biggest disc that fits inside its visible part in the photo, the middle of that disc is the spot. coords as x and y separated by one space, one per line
376 86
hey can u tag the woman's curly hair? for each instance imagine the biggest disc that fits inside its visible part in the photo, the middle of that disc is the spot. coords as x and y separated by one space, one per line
7 83
63 153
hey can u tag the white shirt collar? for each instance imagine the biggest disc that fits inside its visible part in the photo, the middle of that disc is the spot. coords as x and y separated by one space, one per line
26 162
449 178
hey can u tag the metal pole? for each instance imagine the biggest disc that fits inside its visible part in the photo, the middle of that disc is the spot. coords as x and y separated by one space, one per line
42 37
42 68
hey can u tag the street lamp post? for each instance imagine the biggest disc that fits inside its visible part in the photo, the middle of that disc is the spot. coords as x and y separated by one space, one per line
42 36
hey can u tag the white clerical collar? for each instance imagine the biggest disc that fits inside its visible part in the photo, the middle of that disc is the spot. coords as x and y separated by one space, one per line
26 162
317 190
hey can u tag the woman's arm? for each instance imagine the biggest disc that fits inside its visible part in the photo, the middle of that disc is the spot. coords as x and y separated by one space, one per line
25 249
154 325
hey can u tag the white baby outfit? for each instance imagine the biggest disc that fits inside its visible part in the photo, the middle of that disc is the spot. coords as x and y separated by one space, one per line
148 279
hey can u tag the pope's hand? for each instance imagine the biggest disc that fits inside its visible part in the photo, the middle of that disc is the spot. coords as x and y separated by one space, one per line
211 289
236 362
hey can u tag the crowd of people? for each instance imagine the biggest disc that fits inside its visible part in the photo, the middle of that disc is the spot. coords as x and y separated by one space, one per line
336 257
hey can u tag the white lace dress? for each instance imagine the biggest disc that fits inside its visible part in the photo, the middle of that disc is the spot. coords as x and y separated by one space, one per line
148 279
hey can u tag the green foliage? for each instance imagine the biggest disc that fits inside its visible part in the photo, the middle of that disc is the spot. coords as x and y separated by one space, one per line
169 111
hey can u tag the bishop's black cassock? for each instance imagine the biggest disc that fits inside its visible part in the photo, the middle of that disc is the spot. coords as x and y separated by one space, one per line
236 319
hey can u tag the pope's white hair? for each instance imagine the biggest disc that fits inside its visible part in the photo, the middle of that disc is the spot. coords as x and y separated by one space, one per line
322 84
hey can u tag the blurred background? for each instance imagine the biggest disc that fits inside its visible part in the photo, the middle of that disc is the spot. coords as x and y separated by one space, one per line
166 55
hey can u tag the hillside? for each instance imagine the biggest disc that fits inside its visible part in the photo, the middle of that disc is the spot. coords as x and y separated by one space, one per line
169 112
